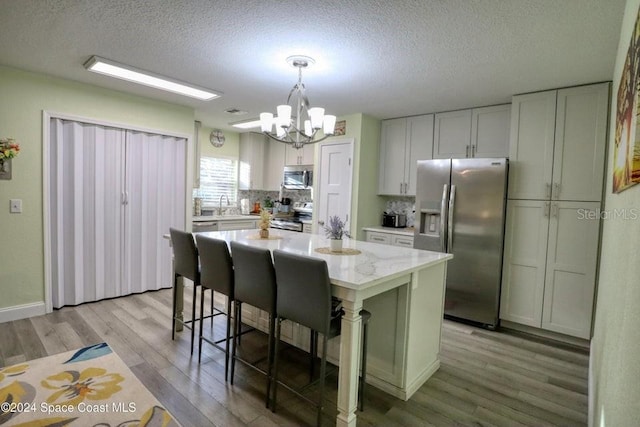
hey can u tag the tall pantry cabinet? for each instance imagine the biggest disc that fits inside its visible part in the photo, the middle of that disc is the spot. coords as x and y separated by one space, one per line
557 162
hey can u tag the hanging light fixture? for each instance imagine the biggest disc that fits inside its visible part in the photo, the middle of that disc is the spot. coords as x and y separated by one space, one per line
301 128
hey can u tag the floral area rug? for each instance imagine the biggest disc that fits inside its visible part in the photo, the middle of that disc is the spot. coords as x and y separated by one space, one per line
87 387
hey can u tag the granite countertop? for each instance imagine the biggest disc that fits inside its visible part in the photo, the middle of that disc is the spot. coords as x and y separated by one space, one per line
407 231
375 264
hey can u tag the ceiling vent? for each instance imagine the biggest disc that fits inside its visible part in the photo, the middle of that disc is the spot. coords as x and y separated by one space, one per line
235 111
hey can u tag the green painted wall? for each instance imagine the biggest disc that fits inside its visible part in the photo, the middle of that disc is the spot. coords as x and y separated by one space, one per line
231 147
615 346
370 205
23 97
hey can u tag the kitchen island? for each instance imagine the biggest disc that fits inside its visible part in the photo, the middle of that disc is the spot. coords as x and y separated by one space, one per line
403 288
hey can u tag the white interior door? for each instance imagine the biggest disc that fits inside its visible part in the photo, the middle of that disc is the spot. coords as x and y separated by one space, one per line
155 194
86 181
335 176
113 193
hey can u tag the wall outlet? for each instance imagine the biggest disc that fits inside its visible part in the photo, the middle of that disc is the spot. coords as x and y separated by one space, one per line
16 206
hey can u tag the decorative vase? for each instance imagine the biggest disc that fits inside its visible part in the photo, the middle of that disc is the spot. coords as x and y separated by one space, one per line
264 233
335 245
3 165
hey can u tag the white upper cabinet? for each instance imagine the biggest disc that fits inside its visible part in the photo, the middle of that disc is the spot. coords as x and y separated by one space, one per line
403 142
261 162
274 165
533 118
419 147
302 156
452 135
251 161
557 144
490 131
477 132
393 138
581 133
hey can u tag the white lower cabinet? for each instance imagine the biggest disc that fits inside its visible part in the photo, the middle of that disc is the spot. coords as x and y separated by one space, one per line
389 238
373 236
245 224
550 261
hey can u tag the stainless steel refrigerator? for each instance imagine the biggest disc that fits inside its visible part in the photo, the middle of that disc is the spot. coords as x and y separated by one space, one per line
460 209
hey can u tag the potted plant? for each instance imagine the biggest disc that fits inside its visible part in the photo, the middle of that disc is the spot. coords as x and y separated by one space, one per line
334 232
264 223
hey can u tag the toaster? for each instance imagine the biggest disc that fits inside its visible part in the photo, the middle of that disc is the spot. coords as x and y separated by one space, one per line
394 220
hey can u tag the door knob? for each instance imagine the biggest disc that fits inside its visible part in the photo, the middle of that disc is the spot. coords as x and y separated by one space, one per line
320 222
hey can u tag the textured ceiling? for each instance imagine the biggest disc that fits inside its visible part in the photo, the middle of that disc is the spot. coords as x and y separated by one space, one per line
388 58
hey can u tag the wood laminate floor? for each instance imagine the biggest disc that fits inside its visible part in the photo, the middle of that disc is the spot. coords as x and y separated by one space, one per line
486 378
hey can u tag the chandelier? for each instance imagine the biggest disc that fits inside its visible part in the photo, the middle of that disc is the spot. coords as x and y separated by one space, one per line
302 127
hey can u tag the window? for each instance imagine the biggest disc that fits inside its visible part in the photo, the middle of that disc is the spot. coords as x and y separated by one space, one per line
218 176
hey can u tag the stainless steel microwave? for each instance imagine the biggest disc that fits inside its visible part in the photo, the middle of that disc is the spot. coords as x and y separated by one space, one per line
298 177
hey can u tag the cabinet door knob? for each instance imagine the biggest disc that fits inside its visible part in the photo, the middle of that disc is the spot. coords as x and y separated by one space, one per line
466 154
554 210
548 190
556 190
473 151
545 211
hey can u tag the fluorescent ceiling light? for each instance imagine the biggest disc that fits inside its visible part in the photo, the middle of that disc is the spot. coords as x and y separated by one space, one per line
126 72
254 123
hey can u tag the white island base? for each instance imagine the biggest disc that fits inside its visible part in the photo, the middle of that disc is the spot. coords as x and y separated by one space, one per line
403 288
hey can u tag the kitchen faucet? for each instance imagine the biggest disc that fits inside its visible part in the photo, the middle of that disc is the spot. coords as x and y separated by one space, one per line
220 203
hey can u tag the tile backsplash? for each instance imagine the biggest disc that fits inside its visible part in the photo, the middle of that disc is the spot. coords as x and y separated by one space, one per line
403 205
260 195
257 196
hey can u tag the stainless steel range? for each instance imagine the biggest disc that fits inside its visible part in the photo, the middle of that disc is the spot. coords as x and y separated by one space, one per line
293 222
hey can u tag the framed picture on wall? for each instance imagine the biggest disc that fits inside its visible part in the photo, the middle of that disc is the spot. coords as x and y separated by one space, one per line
626 153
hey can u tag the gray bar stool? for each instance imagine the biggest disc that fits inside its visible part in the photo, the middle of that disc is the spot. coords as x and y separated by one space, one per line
255 284
217 274
185 264
304 296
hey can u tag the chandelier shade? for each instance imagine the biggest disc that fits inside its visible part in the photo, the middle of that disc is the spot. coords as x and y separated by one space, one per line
296 123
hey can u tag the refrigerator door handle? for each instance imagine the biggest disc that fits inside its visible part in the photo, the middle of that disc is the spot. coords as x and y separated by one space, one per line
443 218
452 201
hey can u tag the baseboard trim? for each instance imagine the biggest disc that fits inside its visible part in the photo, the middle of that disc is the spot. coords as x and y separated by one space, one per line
23 311
548 335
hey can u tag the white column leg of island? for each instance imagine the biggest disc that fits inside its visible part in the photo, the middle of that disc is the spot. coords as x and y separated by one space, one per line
349 363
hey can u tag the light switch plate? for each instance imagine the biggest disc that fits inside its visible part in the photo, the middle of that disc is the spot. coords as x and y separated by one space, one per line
16 206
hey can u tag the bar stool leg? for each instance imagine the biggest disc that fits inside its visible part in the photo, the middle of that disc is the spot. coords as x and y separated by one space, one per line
272 327
173 317
226 349
201 322
193 316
